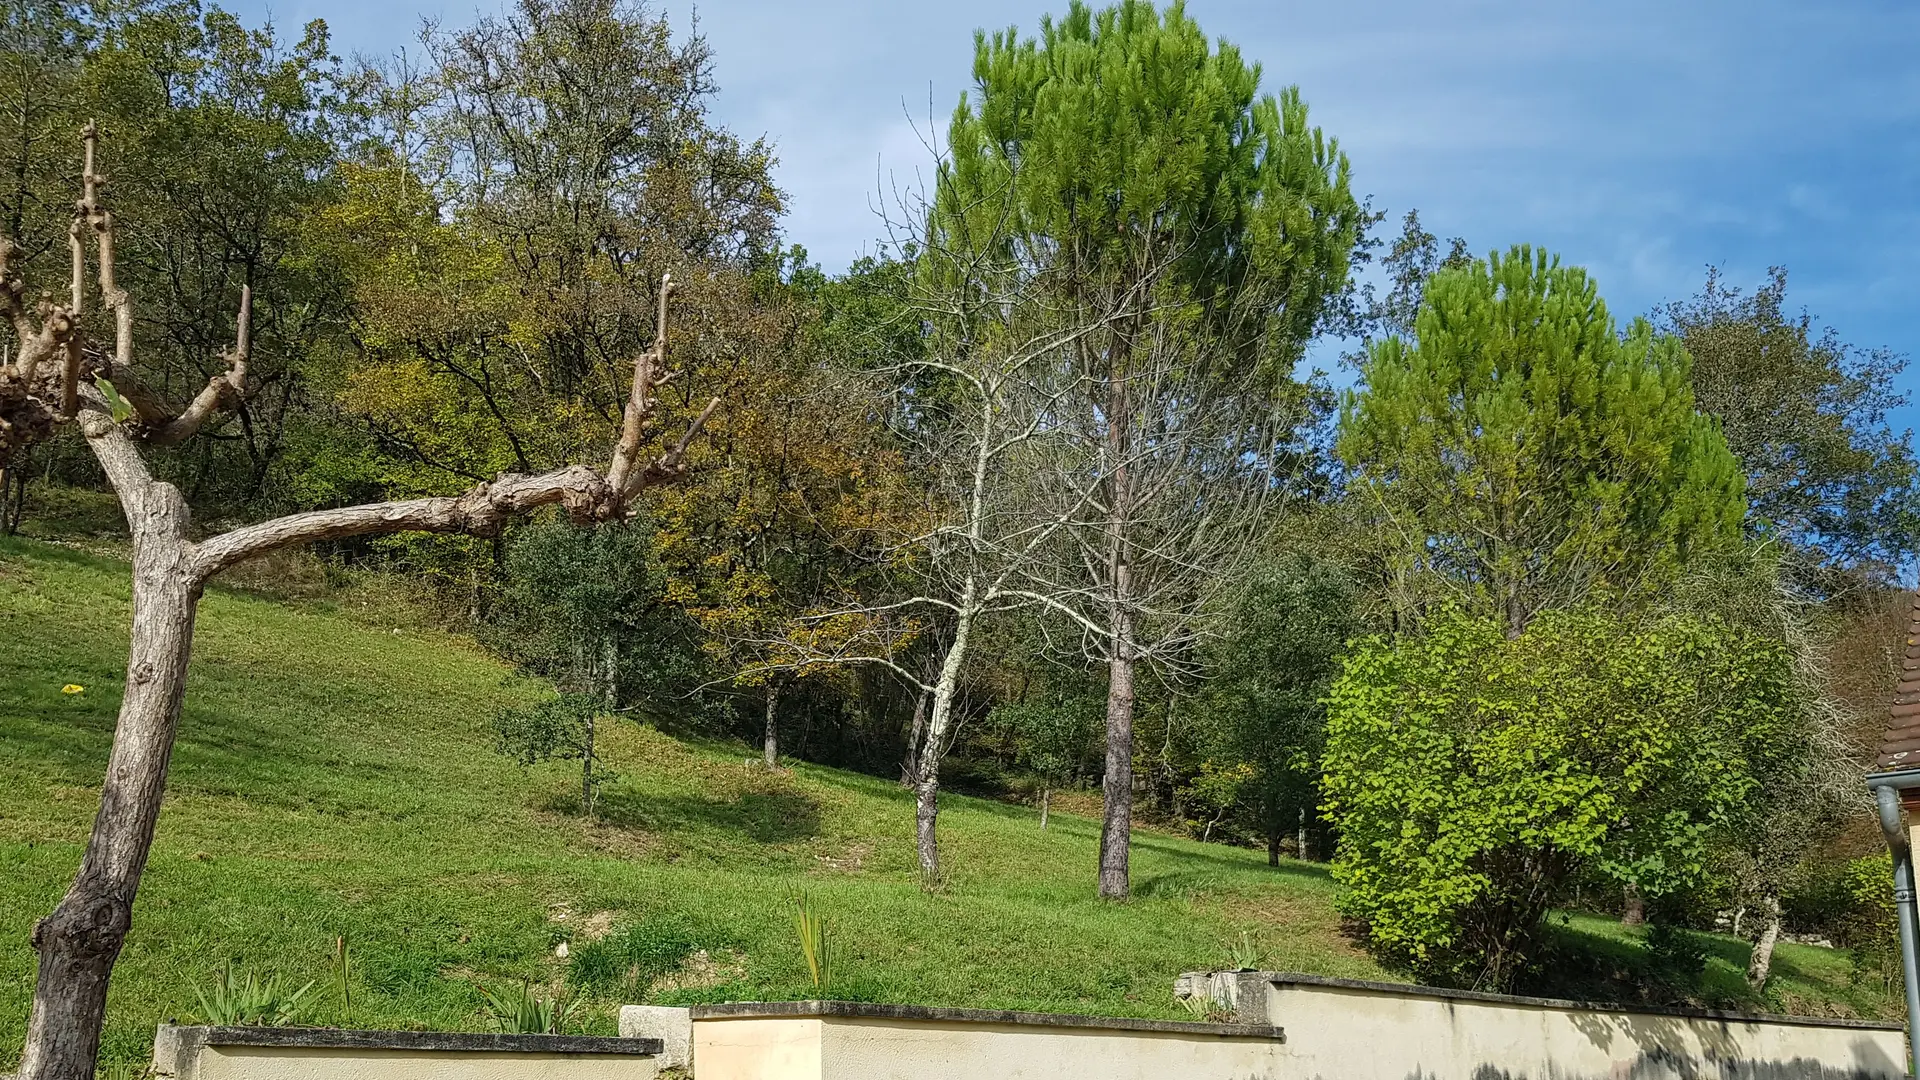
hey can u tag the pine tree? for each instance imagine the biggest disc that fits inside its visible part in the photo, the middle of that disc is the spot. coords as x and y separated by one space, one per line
1519 454
1124 156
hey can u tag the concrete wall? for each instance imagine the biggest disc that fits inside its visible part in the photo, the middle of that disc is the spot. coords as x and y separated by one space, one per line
844 1041
1342 1030
211 1053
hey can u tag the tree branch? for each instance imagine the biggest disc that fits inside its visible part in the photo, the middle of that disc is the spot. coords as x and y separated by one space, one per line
481 511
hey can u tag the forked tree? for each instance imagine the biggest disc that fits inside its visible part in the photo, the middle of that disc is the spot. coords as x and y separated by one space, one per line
57 376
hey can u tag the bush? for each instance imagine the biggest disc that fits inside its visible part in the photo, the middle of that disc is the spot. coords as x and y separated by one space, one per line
1473 775
1870 926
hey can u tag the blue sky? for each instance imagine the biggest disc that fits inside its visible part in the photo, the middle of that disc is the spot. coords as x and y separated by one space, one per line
1643 140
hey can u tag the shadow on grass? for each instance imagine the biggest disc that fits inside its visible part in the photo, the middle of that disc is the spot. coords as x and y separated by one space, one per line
773 816
1584 964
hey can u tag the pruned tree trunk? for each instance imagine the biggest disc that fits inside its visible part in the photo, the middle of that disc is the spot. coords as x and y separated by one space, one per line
1633 911
79 942
1046 795
1301 848
770 748
1760 963
52 380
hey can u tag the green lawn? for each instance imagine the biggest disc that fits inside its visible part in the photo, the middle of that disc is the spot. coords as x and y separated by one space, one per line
335 776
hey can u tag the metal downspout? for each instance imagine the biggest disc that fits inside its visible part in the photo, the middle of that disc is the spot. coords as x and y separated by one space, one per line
1889 800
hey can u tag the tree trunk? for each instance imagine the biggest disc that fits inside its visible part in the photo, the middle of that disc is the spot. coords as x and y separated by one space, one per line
1300 837
1116 825
1046 794
1760 963
1634 912
1273 849
770 749
927 790
586 770
79 942
909 768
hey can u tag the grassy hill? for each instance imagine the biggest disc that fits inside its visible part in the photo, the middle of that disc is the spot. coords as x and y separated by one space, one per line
335 776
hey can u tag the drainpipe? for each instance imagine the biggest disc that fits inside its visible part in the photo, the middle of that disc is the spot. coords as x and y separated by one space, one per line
1888 797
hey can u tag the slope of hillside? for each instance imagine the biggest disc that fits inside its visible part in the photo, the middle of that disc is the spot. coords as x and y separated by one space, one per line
336 778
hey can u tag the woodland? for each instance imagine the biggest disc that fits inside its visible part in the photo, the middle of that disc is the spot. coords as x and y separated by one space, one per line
1529 607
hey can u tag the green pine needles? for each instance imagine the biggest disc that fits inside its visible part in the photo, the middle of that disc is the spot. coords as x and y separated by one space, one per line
1520 454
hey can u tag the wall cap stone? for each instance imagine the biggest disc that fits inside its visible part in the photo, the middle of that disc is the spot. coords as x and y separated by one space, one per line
860 1010
1290 978
194 1036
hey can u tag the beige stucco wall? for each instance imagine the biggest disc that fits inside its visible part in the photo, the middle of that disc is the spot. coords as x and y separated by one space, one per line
863 1048
1337 1033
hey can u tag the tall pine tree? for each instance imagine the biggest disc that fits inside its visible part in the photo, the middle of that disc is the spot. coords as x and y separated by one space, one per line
1124 161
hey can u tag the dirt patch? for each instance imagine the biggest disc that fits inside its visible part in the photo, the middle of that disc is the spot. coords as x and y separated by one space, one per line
702 970
595 926
848 861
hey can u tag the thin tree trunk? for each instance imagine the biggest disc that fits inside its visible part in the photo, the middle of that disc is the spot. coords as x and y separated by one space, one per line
79 942
1046 795
1760 963
909 768
1116 825
1634 912
1300 836
927 792
586 770
1273 849
770 748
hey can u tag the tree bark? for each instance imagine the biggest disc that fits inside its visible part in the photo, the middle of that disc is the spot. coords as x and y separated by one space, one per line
1760 963
1634 913
770 748
909 767
927 790
1273 849
1116 823
79 942
1300 837
1046 795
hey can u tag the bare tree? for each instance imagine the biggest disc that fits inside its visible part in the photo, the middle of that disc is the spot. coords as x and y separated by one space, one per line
978 410
1173 458
56 377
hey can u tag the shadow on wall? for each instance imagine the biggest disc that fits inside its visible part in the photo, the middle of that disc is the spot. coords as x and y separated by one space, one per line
1663 1065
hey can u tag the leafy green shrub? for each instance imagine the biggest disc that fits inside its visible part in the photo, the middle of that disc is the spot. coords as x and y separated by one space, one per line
1870 926
247 1000
1473 775
630 959
522 1010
